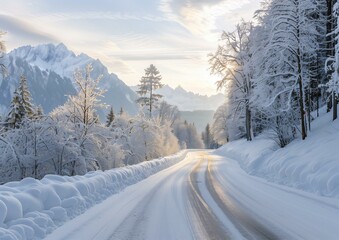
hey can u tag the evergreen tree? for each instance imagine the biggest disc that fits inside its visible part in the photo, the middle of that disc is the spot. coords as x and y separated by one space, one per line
121 111
26 106
207 137
15 116
148 84
39 112
110 117
21 106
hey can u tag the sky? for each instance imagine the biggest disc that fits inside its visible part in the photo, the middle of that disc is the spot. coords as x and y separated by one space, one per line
129 35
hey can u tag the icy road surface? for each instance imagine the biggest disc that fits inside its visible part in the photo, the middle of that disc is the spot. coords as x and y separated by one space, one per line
206 196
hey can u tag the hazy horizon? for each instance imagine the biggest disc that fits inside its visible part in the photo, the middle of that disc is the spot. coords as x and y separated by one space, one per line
127 36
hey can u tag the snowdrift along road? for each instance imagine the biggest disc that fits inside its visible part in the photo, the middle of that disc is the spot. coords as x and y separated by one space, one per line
30 209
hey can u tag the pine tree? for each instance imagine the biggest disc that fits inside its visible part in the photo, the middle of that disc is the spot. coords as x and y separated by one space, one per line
14 116
110 117
39 112
207 137
26 106
121 111
148 84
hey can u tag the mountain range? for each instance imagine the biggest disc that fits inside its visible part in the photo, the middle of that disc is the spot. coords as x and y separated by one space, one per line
49 71
189 101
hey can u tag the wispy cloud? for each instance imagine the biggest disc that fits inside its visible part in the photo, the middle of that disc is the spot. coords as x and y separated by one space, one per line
19 30
200 16
90 15
128 35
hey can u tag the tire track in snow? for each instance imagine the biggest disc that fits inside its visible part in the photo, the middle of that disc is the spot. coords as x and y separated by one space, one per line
135 225
249 227
208 224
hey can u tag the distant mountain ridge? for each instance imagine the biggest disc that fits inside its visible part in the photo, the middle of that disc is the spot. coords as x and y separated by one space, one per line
189 101
49 70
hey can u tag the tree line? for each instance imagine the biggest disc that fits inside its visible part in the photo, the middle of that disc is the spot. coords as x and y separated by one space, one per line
71 140
278 72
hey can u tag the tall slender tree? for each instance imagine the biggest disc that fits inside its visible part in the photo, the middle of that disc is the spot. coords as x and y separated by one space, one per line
285 62
150 82
84 104
26 106
14 116
232 62
110 117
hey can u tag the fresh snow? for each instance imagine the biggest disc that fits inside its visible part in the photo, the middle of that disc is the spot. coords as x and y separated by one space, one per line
160 207
291 192
31 208
311 165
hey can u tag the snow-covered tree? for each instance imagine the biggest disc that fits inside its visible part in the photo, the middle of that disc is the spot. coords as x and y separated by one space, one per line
207 137
332 63
21 106
84 104
110 117
26 106
187 135
14 116
232 62
121 112
167 113
150 82
283 60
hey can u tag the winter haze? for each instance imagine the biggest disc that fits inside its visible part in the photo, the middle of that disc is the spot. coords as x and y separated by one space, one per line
169 119
128 35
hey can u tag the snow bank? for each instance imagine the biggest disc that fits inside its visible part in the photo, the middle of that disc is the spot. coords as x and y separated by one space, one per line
311 165
31 208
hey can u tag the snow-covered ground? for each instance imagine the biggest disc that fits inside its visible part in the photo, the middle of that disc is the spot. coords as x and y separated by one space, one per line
206 196
311 165
30 209
240 191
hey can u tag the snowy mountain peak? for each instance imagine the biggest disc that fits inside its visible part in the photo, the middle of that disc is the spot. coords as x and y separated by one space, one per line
49 63
57 58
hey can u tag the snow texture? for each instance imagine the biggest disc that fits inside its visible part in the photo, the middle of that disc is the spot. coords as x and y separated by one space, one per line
30 209
311 165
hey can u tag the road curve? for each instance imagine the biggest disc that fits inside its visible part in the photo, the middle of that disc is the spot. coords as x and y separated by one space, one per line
203 197
248 226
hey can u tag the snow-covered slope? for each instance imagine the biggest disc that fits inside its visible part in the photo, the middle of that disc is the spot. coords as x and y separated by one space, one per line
311 165
48 89
189 101
56 62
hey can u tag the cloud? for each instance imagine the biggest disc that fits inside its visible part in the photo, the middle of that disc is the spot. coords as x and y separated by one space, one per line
200 16
18 29
146 56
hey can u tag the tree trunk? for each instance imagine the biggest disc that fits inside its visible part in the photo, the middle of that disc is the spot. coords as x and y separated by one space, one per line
300 83
335 106
249 132
150 101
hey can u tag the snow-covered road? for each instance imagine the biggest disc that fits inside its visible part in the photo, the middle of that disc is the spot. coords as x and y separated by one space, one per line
206 196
